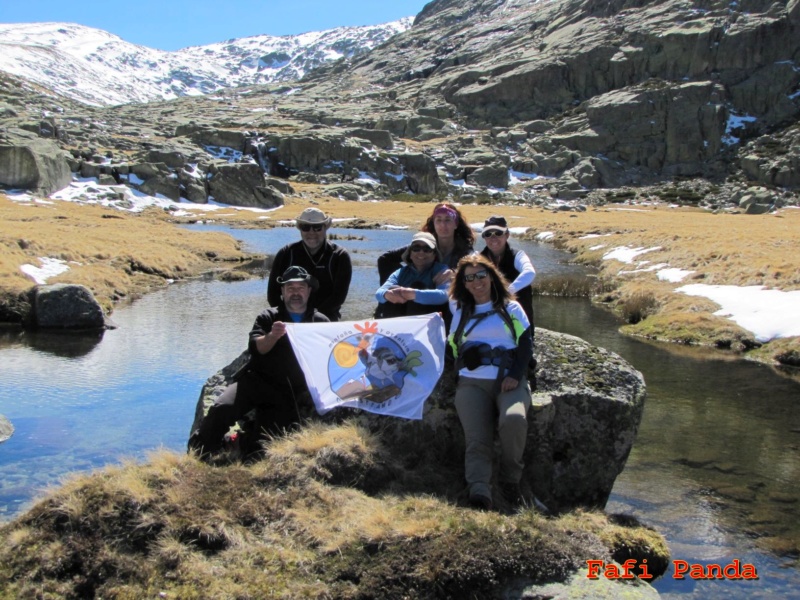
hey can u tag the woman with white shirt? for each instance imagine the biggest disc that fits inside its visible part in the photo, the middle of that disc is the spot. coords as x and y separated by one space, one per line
492 345
515 265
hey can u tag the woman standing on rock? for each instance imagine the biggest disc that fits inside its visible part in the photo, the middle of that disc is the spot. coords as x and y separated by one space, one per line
492 345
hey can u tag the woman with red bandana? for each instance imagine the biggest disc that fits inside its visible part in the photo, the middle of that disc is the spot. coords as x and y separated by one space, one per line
454 240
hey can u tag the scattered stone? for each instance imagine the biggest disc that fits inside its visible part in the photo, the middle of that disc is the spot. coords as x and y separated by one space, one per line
65 306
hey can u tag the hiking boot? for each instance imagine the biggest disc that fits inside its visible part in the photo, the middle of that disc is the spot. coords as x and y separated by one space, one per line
511 493
480 502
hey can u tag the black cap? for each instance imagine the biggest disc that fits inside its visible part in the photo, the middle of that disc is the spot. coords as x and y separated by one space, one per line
295 273
495 222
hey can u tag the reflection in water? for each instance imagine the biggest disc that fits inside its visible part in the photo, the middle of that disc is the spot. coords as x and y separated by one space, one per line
715 466
63 343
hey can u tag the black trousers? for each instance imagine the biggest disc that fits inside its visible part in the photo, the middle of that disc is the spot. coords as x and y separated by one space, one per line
273 403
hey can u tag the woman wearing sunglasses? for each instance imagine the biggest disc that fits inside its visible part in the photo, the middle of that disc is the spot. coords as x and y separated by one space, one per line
492 346
412 289
454 239
515 265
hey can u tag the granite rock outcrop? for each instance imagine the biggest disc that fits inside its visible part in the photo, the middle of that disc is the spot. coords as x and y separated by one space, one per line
583 421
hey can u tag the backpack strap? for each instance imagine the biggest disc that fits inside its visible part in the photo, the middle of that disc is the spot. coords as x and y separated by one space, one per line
460 334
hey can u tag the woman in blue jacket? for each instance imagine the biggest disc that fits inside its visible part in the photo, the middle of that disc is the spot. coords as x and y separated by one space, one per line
411 289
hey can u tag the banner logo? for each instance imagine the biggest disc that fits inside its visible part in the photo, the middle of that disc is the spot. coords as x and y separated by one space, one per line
389 366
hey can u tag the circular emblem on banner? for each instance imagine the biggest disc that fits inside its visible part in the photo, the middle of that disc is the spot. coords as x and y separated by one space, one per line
367 368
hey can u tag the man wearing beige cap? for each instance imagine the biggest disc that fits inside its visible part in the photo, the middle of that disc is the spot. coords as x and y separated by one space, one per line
327 262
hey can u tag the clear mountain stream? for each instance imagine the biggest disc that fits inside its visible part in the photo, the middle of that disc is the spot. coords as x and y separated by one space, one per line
715 468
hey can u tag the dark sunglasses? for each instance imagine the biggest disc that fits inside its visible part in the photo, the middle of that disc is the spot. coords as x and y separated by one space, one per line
479 275
493 232
306 228
425 249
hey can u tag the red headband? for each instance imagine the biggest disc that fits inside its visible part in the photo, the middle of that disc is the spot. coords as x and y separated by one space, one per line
446 210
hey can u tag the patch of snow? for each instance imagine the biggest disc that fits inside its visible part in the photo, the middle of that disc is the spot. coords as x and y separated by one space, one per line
224 153
122 197
673 274
649 269
460 183
626 255
735 122
545 235
518 176
49 267
767 313
364 177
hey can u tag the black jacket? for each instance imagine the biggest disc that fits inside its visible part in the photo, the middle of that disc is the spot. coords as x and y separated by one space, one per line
331 267
279 364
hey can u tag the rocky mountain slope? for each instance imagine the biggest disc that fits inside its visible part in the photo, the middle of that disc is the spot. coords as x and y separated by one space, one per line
96 67
480 100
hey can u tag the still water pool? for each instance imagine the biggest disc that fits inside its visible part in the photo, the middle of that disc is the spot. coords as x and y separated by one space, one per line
715 466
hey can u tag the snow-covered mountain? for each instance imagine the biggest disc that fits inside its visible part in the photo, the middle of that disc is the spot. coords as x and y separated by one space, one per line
98 68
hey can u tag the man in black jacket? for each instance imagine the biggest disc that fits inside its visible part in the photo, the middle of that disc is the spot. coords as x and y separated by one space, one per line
327 262
272 383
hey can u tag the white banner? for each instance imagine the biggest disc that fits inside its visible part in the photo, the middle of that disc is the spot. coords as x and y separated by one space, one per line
386 366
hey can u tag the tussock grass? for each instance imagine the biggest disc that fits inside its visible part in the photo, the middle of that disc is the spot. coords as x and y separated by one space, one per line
176 527
115 254
564 286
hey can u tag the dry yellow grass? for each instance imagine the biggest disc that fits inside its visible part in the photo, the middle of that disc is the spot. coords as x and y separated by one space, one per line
115 254
278 529
732 249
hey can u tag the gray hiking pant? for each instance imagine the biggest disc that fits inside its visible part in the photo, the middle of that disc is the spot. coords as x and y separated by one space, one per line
481 413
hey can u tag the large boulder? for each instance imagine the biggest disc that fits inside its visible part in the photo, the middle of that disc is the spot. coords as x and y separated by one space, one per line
157 179
320 151
673 129
66 306
379 137
37 165
494 175
583 420
243 184
421 174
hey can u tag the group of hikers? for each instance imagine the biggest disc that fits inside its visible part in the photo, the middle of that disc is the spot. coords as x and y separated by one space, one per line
484 298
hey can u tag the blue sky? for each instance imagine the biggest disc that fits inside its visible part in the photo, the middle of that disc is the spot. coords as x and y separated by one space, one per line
175 24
